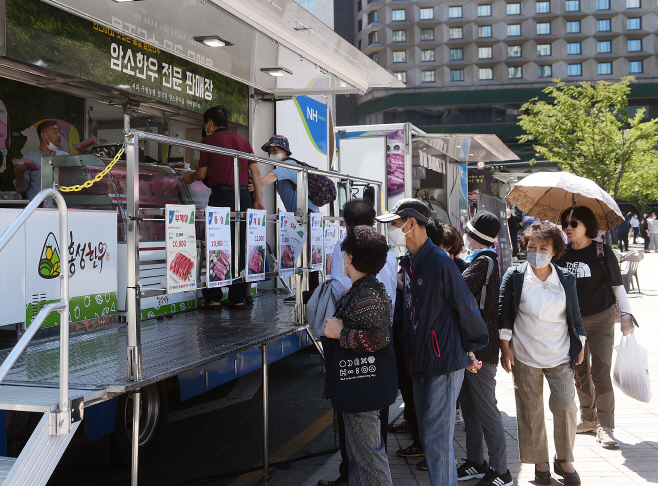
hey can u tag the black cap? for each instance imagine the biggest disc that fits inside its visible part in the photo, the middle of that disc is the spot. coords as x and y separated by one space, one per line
483 227
407 208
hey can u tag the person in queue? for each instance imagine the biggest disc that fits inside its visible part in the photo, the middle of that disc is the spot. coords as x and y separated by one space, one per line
542 335
622 232
364 327
635 227
219 171
482 418
29 182
442 324
653 233
453 245
644 232
358 213
599 285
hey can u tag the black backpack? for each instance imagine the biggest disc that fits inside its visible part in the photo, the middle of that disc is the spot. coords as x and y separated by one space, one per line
321 189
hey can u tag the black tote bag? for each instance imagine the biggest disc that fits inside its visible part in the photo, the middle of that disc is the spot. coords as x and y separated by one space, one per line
359 382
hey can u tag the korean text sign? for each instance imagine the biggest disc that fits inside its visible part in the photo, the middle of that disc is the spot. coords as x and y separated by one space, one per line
181 248
317 241
256 231
330 240
291 242
218 247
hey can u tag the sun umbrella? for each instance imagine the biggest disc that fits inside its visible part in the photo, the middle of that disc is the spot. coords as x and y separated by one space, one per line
545 195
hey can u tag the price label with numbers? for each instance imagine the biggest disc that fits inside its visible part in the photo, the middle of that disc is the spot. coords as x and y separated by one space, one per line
219 257
317 241
330 240
256 231
291 242
181 247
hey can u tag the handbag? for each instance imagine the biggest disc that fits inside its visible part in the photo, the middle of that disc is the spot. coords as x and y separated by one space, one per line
359 382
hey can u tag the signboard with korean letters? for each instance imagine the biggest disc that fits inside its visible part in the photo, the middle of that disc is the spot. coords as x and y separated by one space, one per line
218 247
291 242
330 240
256 229
181 247
317 241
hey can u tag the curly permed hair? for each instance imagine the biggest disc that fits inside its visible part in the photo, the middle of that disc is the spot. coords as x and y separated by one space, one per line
547 232
367 247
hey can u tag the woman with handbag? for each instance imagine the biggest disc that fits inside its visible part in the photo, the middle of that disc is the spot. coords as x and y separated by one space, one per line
359 357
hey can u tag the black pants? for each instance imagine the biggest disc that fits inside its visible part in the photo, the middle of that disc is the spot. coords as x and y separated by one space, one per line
647 239
636 232
344 468
515 243
226 198
623 241
405 383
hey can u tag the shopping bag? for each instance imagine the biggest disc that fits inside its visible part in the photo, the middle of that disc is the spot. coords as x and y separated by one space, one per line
631 372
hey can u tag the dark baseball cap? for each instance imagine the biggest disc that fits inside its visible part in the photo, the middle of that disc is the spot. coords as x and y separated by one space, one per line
407 208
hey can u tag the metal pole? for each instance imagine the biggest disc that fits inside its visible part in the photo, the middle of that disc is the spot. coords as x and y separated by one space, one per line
135 443
64 313
266 455
236 237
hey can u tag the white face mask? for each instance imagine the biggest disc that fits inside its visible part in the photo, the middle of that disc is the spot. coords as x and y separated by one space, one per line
345 266
397 237
51 146
467 242
278 157
537 259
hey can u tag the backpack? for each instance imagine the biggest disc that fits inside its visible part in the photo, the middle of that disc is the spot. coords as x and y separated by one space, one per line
483 293
321 189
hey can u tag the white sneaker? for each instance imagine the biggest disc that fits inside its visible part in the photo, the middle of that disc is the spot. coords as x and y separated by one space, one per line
605 438
459 419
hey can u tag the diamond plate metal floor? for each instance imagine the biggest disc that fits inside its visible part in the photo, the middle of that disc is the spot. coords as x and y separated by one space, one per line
169 346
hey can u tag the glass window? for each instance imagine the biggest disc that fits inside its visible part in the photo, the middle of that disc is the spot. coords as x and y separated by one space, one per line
456 75
573 5
372 17
635 67
635 45
513 9
486 73
358 6
513 30
456 33
544 71
428 76
375 56
372 38
575 69
484 31
456 54
401 76
573 48
604 46
515 72
484 10
399 15
602 4
573 26
485 52
359 25
513 51
543 7
426 34
634 24
427 55
605 68
399 35
400 56
603 25
426 13
544 28
455 12
632 3
543 49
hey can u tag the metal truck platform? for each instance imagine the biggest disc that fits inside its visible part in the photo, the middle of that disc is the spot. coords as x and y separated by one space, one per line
169 347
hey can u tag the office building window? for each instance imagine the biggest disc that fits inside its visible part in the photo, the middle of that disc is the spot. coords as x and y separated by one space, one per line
358 6
372 17
513 9
359 25
573 27
513 30
427 55
484 10
375 56
456 33
456 75
426 13
633 4
575 70
399 15
399 35
515 72
544 28
635 45
428 76
544 71
634 24
635 67
485 52
484 31
543 7
543 49
602 4
603 25
455 12
604 46
573 48
456 54
486 73
605 68
513 51
573 5
426 34
401 76
400 56
372 38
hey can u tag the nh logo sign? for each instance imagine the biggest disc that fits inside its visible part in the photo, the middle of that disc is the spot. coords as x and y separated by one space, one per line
311 114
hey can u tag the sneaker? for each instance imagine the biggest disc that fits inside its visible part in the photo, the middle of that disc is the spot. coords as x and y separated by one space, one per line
412 451
471 470
400 428
422 465
494 478
605 437
586 426
459 419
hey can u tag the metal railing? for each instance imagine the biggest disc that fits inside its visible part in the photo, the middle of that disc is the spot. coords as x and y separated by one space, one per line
63 415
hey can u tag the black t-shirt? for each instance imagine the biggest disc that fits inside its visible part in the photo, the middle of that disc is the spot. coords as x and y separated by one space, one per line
513 224
593 286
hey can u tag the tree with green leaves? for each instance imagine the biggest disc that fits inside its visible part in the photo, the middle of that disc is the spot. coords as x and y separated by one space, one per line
587 130
639 186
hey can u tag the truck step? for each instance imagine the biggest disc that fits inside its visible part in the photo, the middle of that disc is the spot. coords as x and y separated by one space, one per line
6 463
28 398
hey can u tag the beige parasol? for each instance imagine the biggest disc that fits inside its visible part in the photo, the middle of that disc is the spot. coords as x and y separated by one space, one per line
545 195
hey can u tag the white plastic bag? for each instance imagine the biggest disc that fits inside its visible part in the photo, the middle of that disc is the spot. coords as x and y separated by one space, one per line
631 372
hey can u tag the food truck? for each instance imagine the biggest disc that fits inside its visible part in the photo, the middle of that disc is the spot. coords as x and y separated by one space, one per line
114 239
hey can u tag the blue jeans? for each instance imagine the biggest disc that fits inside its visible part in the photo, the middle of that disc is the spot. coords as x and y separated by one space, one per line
436 399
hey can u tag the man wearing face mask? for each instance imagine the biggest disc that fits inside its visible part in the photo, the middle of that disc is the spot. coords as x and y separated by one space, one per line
30 181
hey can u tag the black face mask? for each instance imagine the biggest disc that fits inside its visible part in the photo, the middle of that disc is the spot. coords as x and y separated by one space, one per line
203 133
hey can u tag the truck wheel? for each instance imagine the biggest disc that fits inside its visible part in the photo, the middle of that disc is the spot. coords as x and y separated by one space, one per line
153 418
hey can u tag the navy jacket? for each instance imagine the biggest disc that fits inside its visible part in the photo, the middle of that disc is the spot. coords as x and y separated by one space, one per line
510 299
441 318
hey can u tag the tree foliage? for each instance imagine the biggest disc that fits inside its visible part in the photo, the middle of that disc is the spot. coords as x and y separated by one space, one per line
587 130
639 186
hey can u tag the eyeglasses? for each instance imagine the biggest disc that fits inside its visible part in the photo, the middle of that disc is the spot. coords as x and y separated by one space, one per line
573 223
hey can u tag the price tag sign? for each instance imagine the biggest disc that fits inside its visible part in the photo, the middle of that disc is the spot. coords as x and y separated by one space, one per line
256 244
218 247
317 244
330 240
343 233
291 242
181 248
